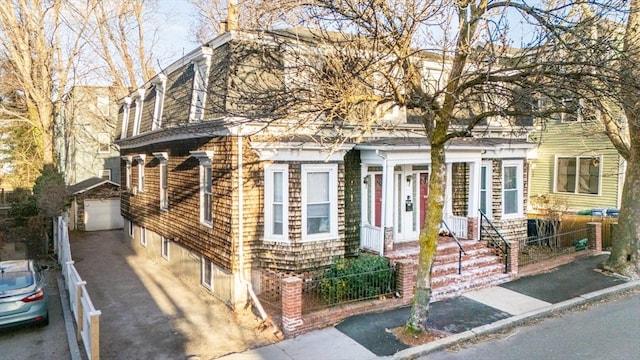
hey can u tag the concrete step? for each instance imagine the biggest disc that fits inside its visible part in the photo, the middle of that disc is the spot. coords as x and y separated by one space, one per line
467 275
458 288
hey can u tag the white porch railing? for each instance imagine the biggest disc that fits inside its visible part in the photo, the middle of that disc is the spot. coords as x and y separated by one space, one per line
86 316
371 238
457 224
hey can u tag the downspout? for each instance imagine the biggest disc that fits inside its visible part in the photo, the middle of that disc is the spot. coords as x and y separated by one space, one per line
384 198
243 280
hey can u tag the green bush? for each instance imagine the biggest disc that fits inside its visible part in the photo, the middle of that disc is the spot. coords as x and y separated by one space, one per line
23 205
364 277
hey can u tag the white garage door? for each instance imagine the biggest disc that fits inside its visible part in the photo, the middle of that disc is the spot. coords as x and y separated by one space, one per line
102 214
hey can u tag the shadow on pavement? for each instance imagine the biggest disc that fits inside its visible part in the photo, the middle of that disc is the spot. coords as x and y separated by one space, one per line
451 315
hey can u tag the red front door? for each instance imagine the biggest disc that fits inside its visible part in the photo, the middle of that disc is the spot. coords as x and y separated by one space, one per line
378 200
424 193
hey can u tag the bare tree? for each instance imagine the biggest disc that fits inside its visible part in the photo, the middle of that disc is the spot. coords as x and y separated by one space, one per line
50 46
121 42
625 135
368 58
212 15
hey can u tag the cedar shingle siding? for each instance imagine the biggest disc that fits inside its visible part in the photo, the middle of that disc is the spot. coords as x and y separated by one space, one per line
182 222
352 201
177 100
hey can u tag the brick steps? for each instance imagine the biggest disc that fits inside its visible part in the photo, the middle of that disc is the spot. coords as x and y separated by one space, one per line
481 267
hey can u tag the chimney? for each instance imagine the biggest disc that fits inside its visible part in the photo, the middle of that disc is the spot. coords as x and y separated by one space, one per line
231 23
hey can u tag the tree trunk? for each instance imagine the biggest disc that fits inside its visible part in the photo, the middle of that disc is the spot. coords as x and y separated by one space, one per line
624 257
624 250
429 240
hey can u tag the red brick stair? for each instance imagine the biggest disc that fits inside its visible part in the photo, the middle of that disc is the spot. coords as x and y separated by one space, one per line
481 267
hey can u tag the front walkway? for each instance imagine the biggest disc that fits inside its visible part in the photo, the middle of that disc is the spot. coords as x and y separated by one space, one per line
478 312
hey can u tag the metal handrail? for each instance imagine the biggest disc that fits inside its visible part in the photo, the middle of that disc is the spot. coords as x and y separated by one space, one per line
460 248
507 247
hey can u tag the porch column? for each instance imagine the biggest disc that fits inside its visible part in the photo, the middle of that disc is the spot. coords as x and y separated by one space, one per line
475 169
448 206
387 205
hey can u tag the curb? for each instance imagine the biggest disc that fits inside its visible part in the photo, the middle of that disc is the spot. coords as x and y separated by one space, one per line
414 352
74 350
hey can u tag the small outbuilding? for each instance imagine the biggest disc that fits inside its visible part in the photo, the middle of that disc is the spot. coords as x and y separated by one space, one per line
95 205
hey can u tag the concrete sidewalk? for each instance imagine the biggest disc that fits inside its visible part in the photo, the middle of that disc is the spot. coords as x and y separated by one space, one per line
474 314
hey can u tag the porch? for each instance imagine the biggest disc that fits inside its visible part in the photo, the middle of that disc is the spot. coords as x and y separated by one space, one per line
372 238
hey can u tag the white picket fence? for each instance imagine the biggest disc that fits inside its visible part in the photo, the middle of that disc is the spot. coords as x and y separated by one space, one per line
86 316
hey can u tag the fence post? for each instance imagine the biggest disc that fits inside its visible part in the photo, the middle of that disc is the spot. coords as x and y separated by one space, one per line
472 228
291 305
95 334
80 310
513 257
406 279
594 233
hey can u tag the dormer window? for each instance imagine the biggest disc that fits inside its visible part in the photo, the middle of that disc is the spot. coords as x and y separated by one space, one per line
126 109
159 86
138 102
201 66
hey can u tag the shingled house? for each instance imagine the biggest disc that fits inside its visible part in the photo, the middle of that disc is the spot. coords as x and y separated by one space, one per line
220 191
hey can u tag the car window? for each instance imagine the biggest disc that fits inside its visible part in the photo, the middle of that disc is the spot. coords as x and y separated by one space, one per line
15 280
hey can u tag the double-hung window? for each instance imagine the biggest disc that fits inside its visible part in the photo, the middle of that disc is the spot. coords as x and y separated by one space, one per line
276 202
165 243
164 179
140 158
104 143
206 272
206 185
143 236
127 171
201 66
138 102
512 191
126 109
578 174
319 201
105 174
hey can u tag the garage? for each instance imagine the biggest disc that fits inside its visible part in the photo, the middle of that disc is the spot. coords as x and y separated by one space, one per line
102 214
95 205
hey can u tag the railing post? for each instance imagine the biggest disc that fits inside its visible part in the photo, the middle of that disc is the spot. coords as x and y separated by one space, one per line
594 233
80 310
291 305
66 271
472 228
406 277
94 321
514 249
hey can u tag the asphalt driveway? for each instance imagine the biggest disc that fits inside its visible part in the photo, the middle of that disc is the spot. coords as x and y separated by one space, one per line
148 313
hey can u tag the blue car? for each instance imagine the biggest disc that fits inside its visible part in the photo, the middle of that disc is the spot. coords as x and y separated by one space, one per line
23 299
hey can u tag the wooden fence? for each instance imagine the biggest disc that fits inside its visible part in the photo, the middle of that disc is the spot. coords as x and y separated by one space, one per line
85 314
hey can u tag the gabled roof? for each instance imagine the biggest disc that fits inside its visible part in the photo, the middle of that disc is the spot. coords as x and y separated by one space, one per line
88 184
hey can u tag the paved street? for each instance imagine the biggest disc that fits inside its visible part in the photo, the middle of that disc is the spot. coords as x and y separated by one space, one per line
607 330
